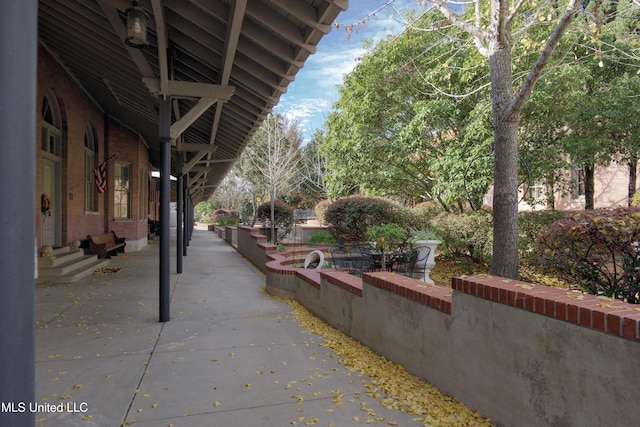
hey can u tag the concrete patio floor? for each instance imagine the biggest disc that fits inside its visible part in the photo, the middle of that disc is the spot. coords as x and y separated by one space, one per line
230 356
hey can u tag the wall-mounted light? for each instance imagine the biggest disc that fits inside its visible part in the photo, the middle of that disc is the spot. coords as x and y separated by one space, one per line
136 26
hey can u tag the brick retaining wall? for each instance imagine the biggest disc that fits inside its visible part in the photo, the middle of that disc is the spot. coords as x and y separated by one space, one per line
522 354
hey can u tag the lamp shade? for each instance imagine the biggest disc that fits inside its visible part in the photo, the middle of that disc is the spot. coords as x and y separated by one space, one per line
136 27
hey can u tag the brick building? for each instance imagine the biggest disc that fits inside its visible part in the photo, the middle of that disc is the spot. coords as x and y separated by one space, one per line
73 137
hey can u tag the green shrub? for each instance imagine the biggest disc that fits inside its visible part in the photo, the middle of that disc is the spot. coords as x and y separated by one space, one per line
420 216
320 210
350 217
322 237
387 236
283 217
468 234
530 225
598 250
635 200
230 220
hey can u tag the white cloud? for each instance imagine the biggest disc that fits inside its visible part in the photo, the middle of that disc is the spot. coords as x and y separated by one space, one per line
310 96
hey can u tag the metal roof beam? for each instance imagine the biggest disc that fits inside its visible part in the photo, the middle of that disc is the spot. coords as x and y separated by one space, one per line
163 43
204 148
191 89
192 115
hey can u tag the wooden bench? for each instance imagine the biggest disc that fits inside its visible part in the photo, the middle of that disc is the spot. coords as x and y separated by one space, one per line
106 245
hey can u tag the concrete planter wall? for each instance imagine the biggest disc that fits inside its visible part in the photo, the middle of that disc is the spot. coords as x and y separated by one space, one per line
522 354
306 231
231 235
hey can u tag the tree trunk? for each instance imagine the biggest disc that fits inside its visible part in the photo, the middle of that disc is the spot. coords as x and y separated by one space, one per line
505 149
633 178
551 197
588 187
274 238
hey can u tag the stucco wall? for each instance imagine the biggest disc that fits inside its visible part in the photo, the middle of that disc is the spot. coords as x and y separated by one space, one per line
522 354
254 246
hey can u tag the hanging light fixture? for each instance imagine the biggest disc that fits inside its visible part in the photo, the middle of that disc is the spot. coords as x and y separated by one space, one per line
136 26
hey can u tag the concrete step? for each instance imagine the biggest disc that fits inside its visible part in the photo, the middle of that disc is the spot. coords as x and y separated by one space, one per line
57 259
68 266
71 271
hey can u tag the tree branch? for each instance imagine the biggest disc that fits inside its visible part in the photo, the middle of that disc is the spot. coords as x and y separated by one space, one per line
481 36
545 55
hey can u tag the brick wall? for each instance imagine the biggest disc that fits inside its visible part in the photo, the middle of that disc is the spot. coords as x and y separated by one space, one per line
78 112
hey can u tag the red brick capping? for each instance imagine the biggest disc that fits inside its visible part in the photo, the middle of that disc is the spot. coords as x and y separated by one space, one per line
344 280
436 297
312 277
600 313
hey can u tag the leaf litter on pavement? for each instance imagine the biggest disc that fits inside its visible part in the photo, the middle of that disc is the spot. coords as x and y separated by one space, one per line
388 382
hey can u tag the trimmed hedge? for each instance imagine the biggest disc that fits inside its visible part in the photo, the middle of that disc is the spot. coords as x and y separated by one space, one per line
283 217
350 217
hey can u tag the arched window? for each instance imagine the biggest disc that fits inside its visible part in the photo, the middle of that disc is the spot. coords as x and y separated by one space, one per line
90 163
51 139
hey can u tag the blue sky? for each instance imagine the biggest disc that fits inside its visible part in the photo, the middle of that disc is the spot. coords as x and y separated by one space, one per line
311 94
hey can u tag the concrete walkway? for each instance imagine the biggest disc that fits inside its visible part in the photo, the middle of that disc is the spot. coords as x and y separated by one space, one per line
231 356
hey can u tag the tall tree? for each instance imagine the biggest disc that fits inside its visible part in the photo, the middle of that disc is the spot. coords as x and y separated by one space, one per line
494 29
313 186
273 156
395 131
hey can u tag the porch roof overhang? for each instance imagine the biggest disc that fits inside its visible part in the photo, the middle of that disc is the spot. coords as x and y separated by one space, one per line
225 64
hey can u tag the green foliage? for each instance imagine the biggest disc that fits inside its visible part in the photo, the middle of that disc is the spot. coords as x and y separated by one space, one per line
424 234
598 250
203 210
387 236
283 216
419 216
320 210
530 225
350 217
392 134
467 234
635 200
228 220
322 237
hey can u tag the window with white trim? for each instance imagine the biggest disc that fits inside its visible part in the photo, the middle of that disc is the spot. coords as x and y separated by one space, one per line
122 190
51 126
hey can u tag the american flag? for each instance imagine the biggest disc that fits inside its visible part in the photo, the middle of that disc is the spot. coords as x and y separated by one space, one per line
154 191
100 174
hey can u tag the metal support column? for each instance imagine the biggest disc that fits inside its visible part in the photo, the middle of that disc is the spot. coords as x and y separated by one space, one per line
179 217
185 208
165 199
191 221
18 80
